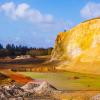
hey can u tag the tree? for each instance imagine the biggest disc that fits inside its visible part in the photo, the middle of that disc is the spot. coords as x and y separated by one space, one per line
1 46
8 47
13 47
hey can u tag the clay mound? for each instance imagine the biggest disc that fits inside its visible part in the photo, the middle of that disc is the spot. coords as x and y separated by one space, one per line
39 88
31 89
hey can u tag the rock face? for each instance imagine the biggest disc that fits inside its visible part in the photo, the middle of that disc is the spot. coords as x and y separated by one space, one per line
80 43
78 49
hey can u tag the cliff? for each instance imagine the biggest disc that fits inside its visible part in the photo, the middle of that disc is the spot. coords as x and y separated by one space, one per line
81 44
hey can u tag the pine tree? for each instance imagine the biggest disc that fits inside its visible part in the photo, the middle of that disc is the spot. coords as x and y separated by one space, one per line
1 46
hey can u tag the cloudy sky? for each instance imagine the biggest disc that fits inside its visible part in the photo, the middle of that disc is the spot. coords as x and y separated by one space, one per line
36 23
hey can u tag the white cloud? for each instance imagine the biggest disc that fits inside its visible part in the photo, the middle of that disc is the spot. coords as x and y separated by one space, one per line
90 10
45 23
24 11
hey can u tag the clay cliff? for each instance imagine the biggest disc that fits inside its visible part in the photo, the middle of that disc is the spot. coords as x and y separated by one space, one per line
81 44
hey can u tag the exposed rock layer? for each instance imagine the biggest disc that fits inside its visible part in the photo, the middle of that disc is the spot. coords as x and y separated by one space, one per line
81 42
78 49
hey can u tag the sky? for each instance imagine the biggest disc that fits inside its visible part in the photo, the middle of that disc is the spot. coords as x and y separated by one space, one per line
36 23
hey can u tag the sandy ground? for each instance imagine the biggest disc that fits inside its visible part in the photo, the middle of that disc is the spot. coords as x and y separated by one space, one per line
79 95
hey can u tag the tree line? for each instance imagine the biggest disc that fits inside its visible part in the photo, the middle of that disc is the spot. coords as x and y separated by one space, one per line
15 50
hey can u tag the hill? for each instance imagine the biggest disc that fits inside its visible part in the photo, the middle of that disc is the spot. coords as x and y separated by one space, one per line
78 49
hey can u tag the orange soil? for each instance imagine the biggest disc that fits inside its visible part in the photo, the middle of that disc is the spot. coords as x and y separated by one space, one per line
17 77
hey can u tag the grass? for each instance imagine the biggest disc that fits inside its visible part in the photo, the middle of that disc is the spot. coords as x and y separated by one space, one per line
68 80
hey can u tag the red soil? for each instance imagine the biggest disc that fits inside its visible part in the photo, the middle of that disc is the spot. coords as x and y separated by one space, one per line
17 77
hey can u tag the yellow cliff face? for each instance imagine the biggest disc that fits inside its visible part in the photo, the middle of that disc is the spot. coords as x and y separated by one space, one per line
81 43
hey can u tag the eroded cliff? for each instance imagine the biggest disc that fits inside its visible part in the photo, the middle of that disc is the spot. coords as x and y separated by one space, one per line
81 44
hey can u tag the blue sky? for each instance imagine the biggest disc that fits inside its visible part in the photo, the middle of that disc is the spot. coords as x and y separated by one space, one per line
36 23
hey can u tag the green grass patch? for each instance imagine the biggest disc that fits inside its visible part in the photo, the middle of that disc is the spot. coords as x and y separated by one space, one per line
68 80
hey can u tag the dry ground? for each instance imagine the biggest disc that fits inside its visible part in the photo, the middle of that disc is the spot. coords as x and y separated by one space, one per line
38 61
